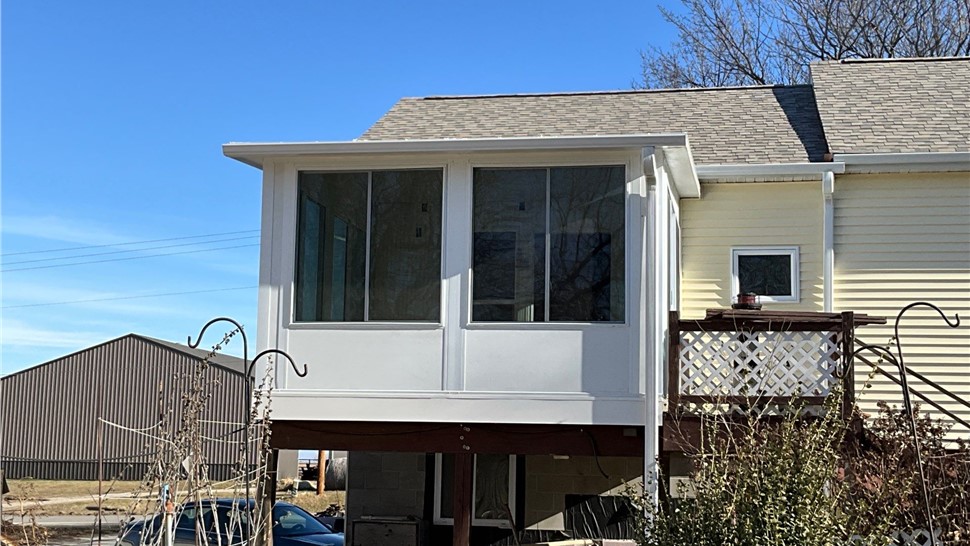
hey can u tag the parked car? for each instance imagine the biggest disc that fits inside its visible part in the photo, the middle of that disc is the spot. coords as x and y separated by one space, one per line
226 523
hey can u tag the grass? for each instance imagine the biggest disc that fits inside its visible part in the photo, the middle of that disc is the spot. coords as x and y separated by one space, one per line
313 503
40 497
35 490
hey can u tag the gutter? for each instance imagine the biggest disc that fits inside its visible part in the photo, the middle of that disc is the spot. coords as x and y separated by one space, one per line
254 153
922 162
828 241
747 171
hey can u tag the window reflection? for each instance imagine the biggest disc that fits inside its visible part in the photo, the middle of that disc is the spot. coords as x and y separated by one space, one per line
571 218
403 281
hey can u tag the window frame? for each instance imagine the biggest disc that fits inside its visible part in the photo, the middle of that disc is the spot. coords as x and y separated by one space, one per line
794 263
369 171
548 166
476 522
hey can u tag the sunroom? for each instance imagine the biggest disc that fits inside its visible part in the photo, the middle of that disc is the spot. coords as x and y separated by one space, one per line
516 280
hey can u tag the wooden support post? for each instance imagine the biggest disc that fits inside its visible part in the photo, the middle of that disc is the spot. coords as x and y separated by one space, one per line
848 346
321 471
673 363
464 476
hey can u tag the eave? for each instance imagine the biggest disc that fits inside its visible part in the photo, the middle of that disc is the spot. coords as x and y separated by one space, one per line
909 162
254 153
767 172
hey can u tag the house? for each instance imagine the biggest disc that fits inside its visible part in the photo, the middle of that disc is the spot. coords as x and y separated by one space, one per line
483 286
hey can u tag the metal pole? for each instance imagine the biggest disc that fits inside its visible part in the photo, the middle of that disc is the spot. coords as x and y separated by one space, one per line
100 475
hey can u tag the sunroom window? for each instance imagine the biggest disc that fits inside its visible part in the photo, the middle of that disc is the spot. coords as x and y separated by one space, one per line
548 244
369 246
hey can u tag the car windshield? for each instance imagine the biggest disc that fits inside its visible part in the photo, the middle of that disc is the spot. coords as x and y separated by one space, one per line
289 520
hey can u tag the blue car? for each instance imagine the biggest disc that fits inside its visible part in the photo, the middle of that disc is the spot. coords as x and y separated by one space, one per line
225 522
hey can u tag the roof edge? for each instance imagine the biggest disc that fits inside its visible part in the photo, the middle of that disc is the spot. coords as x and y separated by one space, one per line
613 92
741 171
905 162
892 60
254 153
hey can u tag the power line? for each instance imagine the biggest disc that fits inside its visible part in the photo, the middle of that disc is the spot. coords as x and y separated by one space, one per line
126 259
130 243
130 250
127 297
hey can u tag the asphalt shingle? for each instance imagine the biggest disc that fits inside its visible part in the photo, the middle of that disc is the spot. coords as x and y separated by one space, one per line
767 124
894 105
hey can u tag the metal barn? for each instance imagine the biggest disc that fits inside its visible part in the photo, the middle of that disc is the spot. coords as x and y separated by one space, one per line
102 410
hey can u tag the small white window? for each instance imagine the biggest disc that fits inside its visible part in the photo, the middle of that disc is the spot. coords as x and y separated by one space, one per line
493 490
769 272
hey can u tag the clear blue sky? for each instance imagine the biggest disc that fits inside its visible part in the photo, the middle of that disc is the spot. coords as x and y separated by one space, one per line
113 113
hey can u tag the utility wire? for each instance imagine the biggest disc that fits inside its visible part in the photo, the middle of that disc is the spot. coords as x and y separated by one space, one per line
126 259
75 256
127 297
130 243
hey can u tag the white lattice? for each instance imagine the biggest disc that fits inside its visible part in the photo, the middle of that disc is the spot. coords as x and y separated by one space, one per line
919 537
756 364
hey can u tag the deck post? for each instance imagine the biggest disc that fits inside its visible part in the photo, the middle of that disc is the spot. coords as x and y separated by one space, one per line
464 476
848 369
321 471
673 363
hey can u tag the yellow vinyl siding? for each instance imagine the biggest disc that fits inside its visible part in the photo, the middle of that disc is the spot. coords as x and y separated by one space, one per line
899 239
749 215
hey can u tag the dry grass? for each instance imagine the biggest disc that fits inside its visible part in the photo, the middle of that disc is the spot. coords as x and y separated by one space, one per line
313 503
43 497
40 490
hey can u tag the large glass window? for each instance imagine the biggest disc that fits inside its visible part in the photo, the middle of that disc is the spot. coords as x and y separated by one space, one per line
369 246
549 244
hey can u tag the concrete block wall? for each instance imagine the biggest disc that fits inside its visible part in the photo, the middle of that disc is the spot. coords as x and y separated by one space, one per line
385 484
548 481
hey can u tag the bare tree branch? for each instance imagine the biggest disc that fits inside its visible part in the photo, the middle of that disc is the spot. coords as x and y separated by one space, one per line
761 42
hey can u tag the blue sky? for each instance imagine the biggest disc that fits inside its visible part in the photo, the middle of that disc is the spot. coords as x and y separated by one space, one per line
112 114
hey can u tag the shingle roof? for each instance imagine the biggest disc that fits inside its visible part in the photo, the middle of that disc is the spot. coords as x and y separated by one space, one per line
900 105
767 124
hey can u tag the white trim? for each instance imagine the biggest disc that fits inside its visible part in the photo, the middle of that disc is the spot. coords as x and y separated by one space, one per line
544 408
905 162
791 251
476 522
683 173
653 327
767 170
255 153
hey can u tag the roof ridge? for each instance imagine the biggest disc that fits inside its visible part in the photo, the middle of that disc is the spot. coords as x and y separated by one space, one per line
892 60
614 92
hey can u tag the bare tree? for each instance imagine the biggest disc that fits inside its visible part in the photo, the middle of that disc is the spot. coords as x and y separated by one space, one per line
762 42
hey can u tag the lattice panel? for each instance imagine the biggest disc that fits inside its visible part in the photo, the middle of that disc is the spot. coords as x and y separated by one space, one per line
756 364
919 537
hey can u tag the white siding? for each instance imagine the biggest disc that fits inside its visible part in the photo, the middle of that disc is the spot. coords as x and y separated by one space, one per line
900 239
757 214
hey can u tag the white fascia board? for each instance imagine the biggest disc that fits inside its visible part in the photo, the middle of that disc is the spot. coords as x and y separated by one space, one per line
741 172
910 162
683 172
254 153
464 407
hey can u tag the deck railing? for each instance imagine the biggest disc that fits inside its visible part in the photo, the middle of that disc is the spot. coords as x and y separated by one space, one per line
742 357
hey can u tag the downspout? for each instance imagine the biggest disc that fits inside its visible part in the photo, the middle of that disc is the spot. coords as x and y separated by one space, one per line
651 432
828 241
